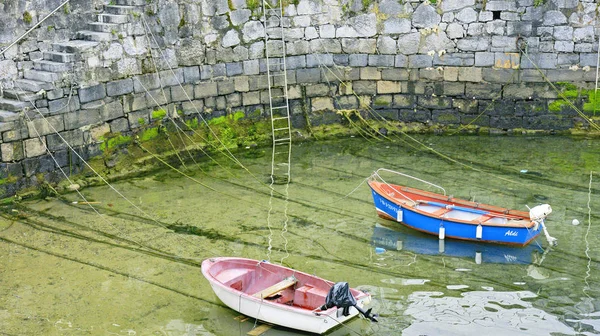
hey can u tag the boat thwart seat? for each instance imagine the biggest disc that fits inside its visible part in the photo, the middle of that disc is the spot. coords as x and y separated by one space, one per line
276 288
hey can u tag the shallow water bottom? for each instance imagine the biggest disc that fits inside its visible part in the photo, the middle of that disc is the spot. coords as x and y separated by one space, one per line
130 266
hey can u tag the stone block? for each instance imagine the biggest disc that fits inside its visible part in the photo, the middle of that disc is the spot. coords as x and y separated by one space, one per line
454 59
453 89
505 107
365 87
119 87
370 73
191 74
400 61
564 46
473 44
158 98
48 125
138 118
12 151
317 90
55 94
507 60
408 44
97 133
414 115
547 122
206 89
505 122
92 93
472 74
434 102
192 107
500 75
219 70
296 62
542 60
251 67
251 98
484 59
74 138
451 74
404 101
182 93
529 75
466 106
234 69
445 117
63 105
564 75
483 91
241 84
504 43
341 60
308 75
382 102
381 60
420 61
394 74
78 119
142 83
225 87
234 100
431 74
388 87
358 60
346 103
320 104
319 60
475 119
388 114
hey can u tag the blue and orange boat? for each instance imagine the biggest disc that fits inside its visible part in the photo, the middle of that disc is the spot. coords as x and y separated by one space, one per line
446 216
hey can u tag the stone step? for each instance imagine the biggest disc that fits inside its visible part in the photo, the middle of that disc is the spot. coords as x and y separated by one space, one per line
33 85
95 36
113 18
113 28
131 2
42 76
57 56
120 10
52 66
74 46
7 126
7 116
25 96
12 105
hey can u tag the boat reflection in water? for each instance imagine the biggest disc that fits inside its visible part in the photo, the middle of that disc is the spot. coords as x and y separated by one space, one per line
402 239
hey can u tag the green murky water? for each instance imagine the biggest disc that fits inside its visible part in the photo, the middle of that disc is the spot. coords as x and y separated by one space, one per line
131 267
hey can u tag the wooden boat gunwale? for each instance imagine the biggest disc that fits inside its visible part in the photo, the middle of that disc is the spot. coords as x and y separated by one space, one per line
495 211
246 302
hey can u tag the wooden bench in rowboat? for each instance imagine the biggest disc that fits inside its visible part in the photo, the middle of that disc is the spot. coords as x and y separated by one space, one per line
276 288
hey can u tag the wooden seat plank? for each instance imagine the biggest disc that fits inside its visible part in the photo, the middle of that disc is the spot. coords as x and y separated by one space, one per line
276 288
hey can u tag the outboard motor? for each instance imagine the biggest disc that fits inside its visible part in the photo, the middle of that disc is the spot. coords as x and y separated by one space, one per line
340 296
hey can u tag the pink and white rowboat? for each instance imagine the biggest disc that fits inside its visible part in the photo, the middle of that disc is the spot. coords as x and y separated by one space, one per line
277 294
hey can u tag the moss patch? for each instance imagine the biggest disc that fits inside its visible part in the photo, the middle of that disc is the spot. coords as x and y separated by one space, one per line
159 114
112 141
149 134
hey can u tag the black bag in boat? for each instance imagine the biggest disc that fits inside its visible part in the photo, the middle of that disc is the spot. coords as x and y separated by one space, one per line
340 296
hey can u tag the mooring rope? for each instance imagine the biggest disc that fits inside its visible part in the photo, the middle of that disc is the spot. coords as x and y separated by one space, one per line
96 173
587 244
223 148
560 93
420 144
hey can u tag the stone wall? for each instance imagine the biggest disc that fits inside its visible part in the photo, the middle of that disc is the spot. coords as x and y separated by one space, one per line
454 62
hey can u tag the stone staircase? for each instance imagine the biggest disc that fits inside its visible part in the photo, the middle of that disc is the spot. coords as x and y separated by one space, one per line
54 64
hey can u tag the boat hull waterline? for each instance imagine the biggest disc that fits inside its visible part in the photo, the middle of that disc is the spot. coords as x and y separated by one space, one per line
239 282
449 217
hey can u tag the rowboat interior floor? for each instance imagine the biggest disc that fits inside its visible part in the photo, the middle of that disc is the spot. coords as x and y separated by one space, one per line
131 266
